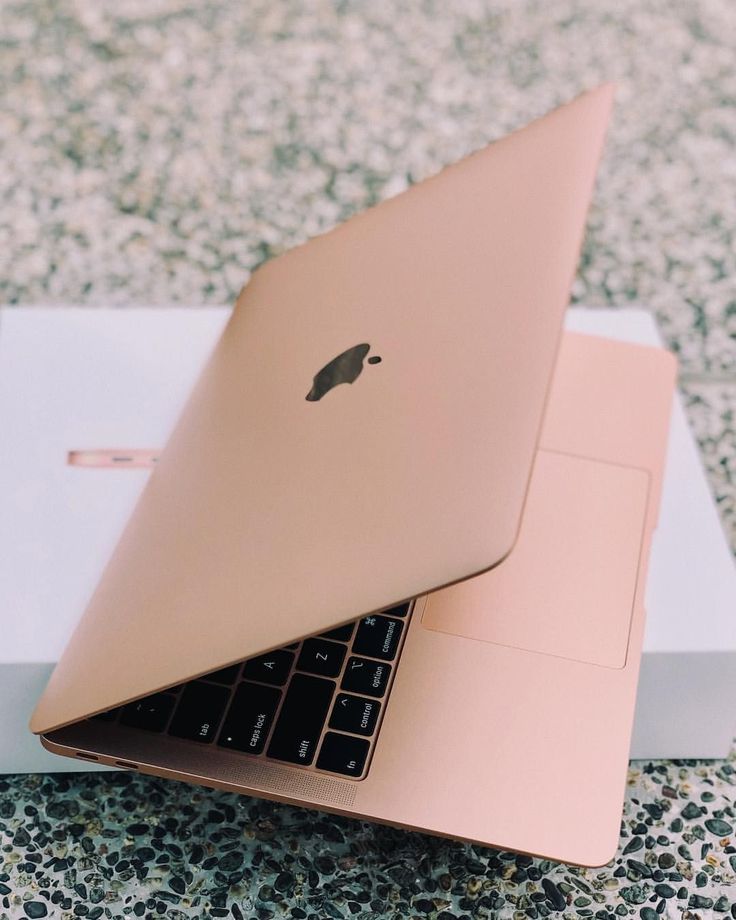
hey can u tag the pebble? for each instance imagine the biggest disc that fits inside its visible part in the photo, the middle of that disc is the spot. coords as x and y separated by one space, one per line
719 827
665 891
554 895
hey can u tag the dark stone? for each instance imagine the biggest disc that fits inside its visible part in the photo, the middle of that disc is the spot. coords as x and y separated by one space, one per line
231 861
284 881
697 900
324 864
648 913
636 843
665 891
177 884
138 830
719 827
554 894
22 838
721 904
35 909
640 867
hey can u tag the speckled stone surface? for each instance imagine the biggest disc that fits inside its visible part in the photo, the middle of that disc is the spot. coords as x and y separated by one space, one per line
156 151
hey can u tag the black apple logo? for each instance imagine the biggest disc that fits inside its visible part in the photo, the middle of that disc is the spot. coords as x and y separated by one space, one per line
345 368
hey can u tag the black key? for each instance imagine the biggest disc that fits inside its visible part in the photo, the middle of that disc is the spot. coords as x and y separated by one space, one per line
400 610
354 714
272 668
341 633
320 657
224 675
249 718
108 716
301 719
378 637
199 711
369 677
151 713
343 754
293 646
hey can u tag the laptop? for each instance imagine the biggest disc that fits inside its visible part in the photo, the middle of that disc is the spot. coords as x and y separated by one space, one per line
364 433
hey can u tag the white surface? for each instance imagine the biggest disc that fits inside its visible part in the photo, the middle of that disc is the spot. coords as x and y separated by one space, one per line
77 378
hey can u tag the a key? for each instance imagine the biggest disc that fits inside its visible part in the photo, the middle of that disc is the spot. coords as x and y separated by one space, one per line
151 713
272 668
224 675
341 633
249 718
343 754
300 721
368 677
321 657
400 610
378 636
199 711
354 714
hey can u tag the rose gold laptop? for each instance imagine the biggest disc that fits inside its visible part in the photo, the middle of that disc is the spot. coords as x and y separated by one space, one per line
364 433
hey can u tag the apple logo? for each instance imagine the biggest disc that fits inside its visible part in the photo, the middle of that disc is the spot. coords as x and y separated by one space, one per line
345 368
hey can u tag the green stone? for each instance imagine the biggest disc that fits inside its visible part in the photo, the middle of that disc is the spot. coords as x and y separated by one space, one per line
634 894
691 811
719 827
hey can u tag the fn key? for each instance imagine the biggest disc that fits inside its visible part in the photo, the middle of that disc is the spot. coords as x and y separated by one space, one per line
343 754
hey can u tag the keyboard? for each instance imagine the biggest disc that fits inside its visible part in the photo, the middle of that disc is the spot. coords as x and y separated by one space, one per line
316 703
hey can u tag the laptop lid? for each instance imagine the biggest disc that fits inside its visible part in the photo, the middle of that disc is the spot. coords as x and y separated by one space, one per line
364 431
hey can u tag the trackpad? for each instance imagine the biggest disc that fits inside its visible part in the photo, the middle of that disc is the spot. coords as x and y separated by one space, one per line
567 588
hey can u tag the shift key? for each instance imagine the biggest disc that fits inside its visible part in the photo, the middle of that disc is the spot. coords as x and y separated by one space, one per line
302 716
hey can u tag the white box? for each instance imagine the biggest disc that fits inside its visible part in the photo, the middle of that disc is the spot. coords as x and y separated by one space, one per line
75 378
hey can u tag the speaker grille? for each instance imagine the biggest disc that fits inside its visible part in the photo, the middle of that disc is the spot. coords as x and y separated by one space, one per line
293 783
